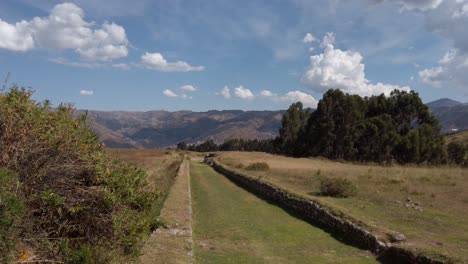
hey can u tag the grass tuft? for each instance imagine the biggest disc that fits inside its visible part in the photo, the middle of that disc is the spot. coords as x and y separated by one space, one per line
337 187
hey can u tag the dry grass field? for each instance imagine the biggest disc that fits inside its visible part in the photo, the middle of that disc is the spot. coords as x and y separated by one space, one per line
160 165
461 137
429 205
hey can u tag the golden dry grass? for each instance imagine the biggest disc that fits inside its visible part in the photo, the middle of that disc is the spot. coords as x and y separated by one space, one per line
158 164
438 226
461 137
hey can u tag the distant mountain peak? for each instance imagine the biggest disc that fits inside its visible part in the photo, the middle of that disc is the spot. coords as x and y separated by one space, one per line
444 102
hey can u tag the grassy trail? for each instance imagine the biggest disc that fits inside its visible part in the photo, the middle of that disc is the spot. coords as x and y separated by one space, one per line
233 226
173 244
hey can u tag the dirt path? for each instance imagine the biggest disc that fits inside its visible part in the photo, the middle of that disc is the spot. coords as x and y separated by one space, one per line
173 244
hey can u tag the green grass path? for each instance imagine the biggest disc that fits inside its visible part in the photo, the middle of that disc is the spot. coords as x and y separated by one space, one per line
231 225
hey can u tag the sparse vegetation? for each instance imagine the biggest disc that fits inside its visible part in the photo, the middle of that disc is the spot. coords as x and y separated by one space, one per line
67 201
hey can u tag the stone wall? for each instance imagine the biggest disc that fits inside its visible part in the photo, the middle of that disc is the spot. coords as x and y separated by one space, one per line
315 214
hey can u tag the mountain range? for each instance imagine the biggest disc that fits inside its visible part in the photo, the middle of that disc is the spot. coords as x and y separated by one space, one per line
452 115
159 129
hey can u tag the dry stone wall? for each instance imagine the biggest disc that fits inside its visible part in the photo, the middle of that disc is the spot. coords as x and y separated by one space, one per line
315 214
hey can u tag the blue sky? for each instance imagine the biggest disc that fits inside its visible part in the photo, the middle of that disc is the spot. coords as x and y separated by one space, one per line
250 55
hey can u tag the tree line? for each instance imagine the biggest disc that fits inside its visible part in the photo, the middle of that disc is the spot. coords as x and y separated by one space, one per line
265 145
384 129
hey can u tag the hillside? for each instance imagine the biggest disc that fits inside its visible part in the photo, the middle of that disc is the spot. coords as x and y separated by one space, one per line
158 129
460 137
444 102
451 114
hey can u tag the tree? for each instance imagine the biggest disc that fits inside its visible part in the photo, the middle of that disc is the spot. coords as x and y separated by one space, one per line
182 146
292 123
456 152
376 128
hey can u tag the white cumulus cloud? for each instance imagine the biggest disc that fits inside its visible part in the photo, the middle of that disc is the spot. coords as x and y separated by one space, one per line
169 93
225 92
156 61
338 69
308 38
296 96
65 28
328 39
243 93
188 88
86 92
266 93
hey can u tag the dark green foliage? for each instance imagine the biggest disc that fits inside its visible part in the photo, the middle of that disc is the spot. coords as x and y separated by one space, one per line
292 123
378 128
337 187
234 145
247 145
258 166
206 146
456 152
182 146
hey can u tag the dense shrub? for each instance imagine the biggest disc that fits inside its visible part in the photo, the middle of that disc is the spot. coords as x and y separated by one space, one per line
337 187
80 206
11 214
258 166
456 152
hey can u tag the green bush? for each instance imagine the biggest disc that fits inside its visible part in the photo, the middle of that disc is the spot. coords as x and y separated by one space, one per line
457 152
11 215
66 189
258 166
337 187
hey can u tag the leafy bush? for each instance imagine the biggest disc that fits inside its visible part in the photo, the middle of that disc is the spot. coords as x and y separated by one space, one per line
456 152
11 214
258 166
75 198
337 187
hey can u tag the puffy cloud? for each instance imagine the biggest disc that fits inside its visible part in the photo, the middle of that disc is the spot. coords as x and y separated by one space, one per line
170 93
266 93
86 92
291 97
447 19
431 76
65 28
308 38
188 88
296 96
225 92
328 39
243 93
156 61
335 68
